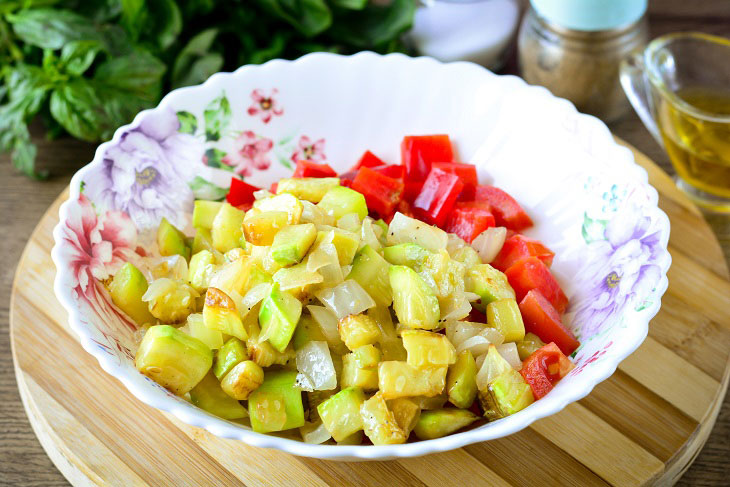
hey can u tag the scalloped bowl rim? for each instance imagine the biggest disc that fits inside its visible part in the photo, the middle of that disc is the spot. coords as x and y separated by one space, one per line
194 417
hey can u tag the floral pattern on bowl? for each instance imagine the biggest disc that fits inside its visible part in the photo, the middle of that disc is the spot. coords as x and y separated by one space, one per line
590 201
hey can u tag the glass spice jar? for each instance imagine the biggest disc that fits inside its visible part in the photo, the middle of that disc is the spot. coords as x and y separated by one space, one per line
575 47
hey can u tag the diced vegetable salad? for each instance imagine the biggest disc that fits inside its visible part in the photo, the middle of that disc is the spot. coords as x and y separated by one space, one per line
395 301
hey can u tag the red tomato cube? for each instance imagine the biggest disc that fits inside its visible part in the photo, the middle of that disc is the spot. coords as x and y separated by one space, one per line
518 247
413 189
309 169
368 159
418 152
469 219
382 194
531 273
437 197
241 193
466 172
542 319
507 211
395 171
544 368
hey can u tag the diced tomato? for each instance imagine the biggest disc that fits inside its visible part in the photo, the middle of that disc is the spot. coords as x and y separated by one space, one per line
368 159
382 194
466 172
518 247
309 169
413 189
469 219
241 193
477 316
418 152
531 273
542 319
437 197
346 178
403 207
392 171
272 188
507 211
545 367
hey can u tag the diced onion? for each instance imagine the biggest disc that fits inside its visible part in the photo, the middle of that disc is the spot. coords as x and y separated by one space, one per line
296 277
262 193
472 296
454 243
350 222
459 331
477 345
347 298
303 383
312 213
314 433
172 266
254 296
489 243
327 321
508 351
493 335
367 234
315 363
456 307
489 370
480 360
404 229
324 260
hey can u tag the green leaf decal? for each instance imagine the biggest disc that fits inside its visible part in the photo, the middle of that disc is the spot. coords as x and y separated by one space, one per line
205 190
217 117
213 158
593 230
188 122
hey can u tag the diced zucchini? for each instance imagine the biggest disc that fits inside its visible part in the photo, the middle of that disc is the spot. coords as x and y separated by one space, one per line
351 222
292 243
529 345
307 330
398 379
383 232
127 289
209 396
276 405
173 359
339 201
233 277
354 439
444 275
226 231
370 270
171 241
203 241
282 202
414 301
310 189
367 356
404 229
406 413
314 399
244 378
442 422
341 413
366 378
278 316
196 327
489 283
467 256
379 422
220 313
358 330
231 353
430 403
461 380
408 254
505 316
427 348
261 227
170 300
200 270
346 243
506 394
204 213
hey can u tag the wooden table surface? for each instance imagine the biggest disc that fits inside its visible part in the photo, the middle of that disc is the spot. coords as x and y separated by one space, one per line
22 202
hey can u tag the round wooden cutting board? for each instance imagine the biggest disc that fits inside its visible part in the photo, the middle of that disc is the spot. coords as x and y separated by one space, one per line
642 426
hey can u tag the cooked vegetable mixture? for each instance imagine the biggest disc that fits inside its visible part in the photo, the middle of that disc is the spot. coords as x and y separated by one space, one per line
398 301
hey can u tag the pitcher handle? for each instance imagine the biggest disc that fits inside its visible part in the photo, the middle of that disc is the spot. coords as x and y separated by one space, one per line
635 84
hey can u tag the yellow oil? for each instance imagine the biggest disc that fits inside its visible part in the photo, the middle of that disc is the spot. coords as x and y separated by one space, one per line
698 148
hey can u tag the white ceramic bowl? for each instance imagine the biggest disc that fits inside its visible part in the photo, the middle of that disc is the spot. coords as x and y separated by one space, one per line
590 202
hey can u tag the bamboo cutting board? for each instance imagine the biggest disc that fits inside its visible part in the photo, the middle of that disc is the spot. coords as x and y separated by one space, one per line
642 426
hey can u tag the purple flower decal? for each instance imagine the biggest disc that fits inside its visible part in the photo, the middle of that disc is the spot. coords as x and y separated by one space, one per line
146 173
627 273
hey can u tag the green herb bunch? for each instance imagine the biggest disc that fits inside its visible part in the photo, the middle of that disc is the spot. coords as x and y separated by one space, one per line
88 66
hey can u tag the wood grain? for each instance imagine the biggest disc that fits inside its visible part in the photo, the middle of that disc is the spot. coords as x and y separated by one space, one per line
641 426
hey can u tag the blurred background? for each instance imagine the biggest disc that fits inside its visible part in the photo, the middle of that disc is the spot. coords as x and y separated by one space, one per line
72 71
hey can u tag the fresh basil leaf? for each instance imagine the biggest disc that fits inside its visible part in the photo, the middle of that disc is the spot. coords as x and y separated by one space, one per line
51 28
275 49
96 10
78 107
188 122
134 17
194 8
205 190
24 154
350 4
77 56
310 17
195 63
217 117
375 25
139 73
166 22
27 86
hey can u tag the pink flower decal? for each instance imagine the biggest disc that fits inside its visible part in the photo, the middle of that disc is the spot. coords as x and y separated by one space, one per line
264 106
250 152
306 150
